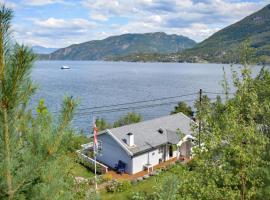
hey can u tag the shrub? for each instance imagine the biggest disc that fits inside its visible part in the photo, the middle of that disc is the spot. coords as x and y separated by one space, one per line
116 186
138 196
123 186
192 164
107 177
170 166
178 162
112 186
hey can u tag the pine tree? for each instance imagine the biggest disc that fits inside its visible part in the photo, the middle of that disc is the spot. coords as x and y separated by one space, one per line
36 151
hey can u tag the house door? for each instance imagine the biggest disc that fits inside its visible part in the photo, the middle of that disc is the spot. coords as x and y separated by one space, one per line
171 151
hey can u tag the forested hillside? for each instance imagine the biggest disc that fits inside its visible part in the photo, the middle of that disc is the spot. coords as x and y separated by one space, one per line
123 45
222 46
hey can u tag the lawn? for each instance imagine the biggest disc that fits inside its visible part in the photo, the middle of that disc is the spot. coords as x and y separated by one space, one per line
147 185
80 170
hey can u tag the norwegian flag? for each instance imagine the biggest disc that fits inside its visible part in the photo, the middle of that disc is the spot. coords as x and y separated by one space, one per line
95 134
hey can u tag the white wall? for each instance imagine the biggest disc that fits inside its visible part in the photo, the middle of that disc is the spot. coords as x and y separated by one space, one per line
112 152
139 161
153 156
185 149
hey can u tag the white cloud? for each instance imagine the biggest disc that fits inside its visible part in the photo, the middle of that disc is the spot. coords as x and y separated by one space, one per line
55 32
197 19
40 2
98 16
8 4
53 23
165 15
104 9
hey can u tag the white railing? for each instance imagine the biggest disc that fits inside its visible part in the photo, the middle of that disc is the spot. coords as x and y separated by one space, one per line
91 161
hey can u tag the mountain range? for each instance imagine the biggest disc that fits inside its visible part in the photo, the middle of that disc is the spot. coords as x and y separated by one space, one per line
123 45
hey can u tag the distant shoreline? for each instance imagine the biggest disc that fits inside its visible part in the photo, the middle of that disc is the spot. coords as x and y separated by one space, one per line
121 61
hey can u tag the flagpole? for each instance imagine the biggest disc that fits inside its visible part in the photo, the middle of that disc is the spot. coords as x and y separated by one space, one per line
95 157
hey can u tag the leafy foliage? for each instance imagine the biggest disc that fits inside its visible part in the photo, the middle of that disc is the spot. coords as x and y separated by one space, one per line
102 124
184 108
118 186
129 118
230 162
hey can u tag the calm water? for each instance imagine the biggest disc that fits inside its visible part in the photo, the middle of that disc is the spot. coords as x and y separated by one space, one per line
105 83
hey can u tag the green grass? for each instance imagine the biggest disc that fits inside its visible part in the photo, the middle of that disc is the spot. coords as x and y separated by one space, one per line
147 185
81 171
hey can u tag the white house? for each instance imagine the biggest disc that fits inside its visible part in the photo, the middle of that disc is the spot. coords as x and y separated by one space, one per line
146 144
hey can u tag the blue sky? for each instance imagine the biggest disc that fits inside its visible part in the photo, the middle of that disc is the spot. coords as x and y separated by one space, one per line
59 23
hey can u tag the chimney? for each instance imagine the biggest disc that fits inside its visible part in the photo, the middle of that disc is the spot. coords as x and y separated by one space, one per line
130 140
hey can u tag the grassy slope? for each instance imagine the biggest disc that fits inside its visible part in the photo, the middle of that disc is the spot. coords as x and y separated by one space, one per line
81 171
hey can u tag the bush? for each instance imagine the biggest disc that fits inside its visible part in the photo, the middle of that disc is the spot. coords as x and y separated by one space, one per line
144 196
192 164
89 165
116 186
170 166
107 177
112 186
138 196
123 186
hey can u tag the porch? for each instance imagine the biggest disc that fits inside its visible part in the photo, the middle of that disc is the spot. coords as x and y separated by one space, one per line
141 174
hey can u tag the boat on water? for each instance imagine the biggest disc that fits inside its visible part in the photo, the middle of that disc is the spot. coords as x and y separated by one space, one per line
65 67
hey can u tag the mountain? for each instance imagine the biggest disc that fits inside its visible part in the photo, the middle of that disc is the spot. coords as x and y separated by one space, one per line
224 45
43 50
124 45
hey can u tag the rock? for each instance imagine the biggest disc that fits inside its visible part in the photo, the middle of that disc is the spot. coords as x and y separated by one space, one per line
140 179
146 176
153 173
134 181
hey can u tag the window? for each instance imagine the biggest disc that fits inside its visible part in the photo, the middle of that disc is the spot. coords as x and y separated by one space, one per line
99 146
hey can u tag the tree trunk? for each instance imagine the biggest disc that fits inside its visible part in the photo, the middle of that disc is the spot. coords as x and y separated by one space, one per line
7 154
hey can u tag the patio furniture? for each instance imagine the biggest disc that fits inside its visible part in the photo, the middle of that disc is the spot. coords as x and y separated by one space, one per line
148 167
120 167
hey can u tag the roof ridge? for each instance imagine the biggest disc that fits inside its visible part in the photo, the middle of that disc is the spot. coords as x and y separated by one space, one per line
150 120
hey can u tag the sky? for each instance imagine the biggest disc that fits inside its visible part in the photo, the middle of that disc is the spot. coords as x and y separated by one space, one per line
60 23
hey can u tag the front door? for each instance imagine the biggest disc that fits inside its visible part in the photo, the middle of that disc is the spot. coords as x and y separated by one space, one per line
171 151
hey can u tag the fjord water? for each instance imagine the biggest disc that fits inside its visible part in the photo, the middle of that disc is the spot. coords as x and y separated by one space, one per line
98 83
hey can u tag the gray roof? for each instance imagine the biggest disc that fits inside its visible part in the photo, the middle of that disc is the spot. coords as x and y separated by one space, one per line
147 135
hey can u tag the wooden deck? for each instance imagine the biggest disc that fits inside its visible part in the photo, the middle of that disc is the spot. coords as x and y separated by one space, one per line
126 176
